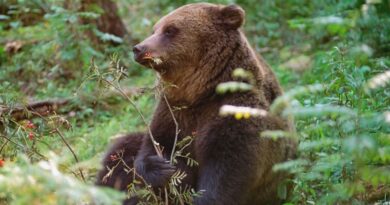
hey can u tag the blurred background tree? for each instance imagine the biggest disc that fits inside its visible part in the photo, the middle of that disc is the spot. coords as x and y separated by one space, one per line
108 21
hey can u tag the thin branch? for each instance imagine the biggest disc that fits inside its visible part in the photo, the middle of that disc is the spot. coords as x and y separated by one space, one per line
65 142
70 149
177 131
136 174
2 146
6 142
155 144
24 148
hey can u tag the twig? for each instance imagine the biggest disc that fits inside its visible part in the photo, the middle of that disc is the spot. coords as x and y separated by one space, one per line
2 146
6 142
65 142
23 148
136 174
111 170
155 144
70 149
177 131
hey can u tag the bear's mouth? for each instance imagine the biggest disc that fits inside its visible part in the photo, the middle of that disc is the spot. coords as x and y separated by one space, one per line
154 60
148 60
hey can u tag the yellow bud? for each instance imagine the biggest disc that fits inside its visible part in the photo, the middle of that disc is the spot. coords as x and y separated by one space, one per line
247 115
238 115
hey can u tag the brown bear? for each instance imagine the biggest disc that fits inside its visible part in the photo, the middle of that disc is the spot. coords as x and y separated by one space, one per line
197 47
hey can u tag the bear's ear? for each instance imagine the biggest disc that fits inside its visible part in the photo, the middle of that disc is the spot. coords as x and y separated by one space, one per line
232 16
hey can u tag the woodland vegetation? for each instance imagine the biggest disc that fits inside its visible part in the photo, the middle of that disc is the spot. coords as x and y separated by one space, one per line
69 84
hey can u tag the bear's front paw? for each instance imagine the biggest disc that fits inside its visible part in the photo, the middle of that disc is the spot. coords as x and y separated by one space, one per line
155 170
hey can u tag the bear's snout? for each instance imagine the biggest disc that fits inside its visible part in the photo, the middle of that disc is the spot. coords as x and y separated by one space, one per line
138 51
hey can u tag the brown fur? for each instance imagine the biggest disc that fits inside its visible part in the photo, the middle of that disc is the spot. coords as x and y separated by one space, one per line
200 45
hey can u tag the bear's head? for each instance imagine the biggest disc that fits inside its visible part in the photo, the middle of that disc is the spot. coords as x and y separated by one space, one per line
189 38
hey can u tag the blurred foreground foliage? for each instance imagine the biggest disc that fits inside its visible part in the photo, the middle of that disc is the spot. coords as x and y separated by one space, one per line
331 56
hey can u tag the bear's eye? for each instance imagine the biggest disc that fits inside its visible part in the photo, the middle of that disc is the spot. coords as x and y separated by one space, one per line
170 31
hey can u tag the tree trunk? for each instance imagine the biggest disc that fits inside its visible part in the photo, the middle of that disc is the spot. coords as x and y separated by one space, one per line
108 22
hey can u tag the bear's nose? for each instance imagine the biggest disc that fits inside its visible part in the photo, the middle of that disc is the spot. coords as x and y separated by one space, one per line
137 49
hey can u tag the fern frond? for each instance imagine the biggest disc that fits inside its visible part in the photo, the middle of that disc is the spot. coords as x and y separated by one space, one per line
283 101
